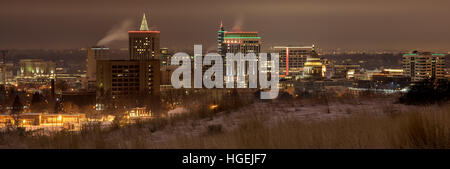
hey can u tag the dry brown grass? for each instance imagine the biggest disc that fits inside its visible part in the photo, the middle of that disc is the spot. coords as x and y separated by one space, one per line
427 127
424 127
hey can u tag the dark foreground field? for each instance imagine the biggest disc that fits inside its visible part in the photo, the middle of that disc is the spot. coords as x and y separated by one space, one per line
339 123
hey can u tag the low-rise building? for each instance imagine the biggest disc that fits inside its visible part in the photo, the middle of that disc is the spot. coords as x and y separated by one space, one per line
35 71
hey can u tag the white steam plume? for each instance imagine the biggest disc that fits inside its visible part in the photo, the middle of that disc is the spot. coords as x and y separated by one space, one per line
117 33
238 23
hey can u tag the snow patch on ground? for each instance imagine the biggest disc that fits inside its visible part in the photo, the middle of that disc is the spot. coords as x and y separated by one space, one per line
271 113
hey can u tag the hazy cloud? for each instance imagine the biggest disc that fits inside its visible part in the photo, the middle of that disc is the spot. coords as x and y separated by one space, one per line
347 24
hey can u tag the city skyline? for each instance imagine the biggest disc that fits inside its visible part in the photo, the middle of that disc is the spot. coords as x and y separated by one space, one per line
215 75
346 24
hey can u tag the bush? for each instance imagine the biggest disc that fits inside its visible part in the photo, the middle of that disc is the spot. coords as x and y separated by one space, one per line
427 92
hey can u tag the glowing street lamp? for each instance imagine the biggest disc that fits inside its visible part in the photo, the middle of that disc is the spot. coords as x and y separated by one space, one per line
214 106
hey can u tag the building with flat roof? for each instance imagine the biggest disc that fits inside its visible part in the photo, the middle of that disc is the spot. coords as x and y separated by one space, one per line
293 58
94 53
241 42
237 42
129 77
346 71
41 120
36 71
423 65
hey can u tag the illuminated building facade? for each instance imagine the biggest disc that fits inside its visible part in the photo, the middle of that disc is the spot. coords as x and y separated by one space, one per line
144 44
242 42
312 68
346 71
370 74
386 79
327 68
423 65
36 71
393 72
128 77
68 121
138 112
293 58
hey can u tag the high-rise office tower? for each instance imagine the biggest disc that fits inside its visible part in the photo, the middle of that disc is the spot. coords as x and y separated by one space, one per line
243 42
93 54
240 42
144 43
237 41
293 58
129 78
140 75
423 65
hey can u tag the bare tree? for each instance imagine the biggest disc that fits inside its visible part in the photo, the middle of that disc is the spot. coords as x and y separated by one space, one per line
16 111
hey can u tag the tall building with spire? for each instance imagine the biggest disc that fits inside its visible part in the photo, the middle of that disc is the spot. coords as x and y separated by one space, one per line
144 43
144 25
221 49
238 42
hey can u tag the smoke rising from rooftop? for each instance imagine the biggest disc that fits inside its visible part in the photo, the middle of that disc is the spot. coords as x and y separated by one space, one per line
119 32
239 23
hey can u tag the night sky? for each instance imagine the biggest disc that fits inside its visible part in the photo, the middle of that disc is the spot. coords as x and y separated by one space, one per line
346 24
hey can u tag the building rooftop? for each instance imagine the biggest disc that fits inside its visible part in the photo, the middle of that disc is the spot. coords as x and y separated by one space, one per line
143 32
252 35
